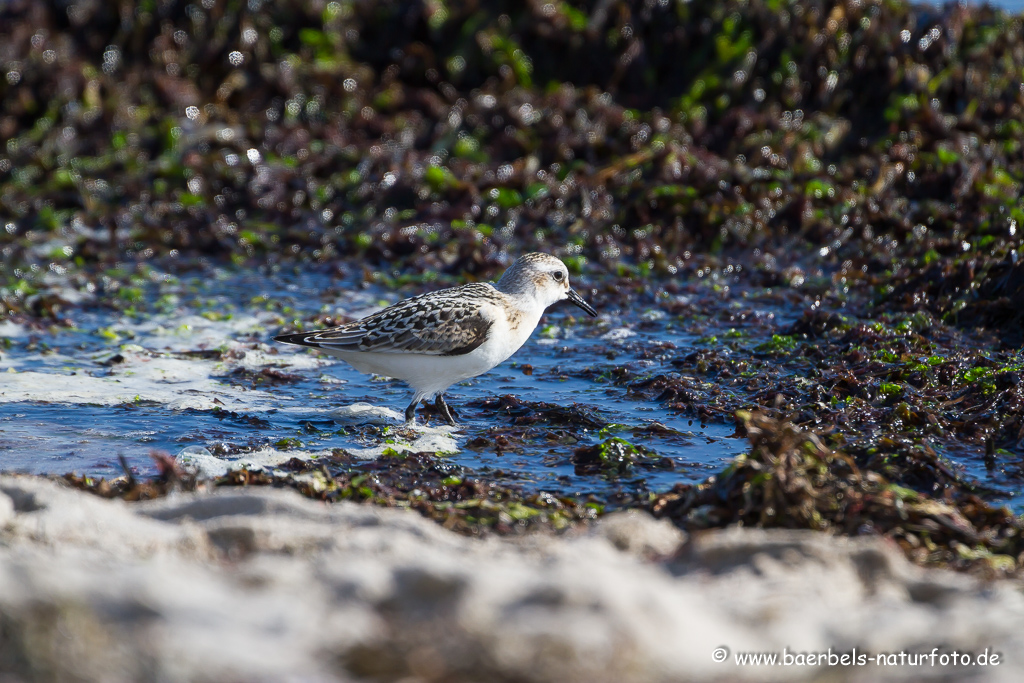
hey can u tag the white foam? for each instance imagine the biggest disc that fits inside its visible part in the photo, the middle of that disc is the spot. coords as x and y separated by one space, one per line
437 440
177 390
618 334
152 369
194 332
364 412
203 464
404 438
11 330
142 375
182 334
255 359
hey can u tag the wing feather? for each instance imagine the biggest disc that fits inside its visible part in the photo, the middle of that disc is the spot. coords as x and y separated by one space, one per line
448 322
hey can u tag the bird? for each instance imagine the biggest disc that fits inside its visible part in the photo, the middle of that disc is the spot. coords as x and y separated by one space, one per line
436 339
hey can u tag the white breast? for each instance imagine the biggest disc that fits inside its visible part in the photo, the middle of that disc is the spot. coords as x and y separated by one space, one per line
508 333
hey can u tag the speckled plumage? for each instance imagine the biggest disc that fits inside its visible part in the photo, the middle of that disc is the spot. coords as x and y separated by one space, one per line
448 322
436 339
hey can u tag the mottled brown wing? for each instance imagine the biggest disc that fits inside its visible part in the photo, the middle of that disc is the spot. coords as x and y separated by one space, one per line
439 323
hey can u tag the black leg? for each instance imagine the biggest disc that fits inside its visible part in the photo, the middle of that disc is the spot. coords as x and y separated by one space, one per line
443 408
410 412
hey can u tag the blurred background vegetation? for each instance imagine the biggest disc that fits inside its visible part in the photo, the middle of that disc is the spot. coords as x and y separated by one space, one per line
879 140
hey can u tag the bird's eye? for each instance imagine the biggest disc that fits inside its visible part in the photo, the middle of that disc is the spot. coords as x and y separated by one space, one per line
558 275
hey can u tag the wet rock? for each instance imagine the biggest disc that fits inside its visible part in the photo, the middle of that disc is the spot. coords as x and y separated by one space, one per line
532 412
614 456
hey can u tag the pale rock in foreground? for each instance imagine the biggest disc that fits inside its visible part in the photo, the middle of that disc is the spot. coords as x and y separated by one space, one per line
263 585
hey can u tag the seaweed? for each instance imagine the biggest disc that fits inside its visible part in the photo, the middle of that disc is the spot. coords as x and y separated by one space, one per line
790 479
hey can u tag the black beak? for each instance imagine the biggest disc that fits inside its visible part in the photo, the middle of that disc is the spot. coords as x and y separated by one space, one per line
578 300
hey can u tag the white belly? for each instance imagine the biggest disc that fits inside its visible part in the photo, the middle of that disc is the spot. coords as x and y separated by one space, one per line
430 374
426 374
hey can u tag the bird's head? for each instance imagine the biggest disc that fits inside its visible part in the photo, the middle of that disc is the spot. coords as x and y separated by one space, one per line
543 278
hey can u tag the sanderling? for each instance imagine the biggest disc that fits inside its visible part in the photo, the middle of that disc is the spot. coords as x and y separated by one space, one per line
434 340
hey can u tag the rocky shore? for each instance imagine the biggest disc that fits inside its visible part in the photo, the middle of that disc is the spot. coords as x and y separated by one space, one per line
265 585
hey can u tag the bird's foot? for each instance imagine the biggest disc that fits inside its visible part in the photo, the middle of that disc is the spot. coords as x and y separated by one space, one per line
442 407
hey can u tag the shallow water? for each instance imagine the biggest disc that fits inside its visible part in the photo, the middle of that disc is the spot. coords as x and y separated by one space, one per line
202 372
195 368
